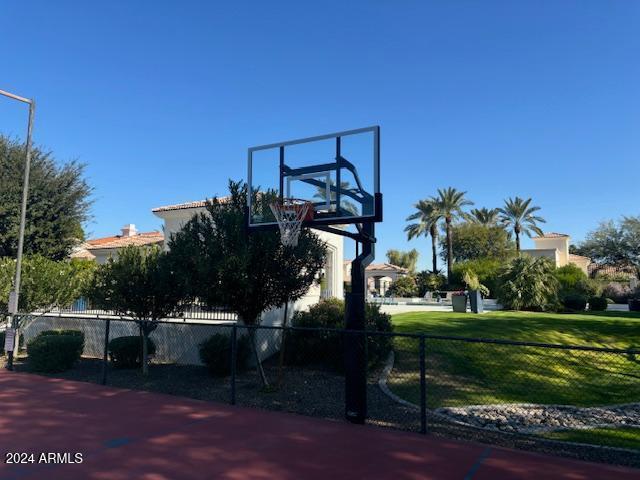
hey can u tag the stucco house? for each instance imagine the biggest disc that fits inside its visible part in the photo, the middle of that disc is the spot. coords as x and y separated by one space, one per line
378 276
101 249
555 246
331 284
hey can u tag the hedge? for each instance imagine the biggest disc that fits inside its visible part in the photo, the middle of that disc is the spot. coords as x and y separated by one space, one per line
126 352
54 352
215 353
326 348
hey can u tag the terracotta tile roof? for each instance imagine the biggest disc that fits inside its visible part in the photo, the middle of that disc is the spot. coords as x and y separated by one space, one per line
387 267
82 253
118 241
552 235
186 205
100 241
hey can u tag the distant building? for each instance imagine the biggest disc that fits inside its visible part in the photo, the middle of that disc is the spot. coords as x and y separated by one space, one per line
101 249
555 246
378 276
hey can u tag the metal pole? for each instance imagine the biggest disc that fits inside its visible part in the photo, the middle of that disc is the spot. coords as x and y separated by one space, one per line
14 296
105 358
23 211
355 347
423 387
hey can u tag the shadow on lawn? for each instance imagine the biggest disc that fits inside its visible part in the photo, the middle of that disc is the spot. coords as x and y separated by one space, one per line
464 373
601 329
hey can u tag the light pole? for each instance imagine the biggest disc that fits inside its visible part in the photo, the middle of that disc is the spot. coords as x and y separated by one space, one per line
15 293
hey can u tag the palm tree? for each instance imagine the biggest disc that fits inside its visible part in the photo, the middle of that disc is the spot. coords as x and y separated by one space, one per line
428 217
449 203
518 214
483 216
349 207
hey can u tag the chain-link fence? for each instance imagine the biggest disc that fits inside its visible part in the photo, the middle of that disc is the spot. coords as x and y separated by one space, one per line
414 382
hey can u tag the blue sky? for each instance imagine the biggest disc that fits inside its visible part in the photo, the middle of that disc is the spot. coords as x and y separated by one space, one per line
498 98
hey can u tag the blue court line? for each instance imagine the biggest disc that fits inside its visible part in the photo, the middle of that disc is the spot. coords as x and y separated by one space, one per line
474 468
28 470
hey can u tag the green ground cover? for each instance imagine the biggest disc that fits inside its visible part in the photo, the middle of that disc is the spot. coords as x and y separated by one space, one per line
461 373
610 437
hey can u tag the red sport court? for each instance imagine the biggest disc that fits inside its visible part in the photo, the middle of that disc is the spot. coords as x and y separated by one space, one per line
124 434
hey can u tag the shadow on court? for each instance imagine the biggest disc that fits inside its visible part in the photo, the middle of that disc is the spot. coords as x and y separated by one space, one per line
124 434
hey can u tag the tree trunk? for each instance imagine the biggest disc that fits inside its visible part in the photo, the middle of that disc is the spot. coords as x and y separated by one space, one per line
145 350
434 260
449 251
282 345
254 347
517 231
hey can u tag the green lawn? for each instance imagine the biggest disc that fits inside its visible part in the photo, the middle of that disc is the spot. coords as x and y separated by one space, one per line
610 437
461 373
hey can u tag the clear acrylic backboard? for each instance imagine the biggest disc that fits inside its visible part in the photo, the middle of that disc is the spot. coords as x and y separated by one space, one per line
339 173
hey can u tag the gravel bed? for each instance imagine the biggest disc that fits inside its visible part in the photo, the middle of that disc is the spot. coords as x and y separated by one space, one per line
528 418
320 393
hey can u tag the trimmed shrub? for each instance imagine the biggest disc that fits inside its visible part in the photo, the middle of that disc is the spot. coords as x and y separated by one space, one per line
54 353
403 287
569 275
378 346
2 343
75 333
126 352
326 348
575 302
598 304
573 281
215 353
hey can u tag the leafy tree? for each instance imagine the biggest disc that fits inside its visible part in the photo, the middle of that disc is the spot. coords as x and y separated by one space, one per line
403 259
518 214
487 270
46 284
450 203
429 282
224 266
58 202
427 217
528 283
140 283
484 216
403 287
614 243
473 241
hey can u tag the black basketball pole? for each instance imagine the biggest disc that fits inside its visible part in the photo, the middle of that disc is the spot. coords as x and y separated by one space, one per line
356 343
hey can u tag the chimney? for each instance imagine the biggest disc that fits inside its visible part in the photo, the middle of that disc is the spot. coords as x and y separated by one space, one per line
129 230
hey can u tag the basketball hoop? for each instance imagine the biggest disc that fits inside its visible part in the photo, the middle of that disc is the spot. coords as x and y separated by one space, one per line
290 213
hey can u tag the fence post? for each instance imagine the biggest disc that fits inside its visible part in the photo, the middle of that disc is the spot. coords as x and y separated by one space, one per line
423 387
105 358
234 356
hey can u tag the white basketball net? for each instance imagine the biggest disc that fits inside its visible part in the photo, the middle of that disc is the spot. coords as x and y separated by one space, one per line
290 214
